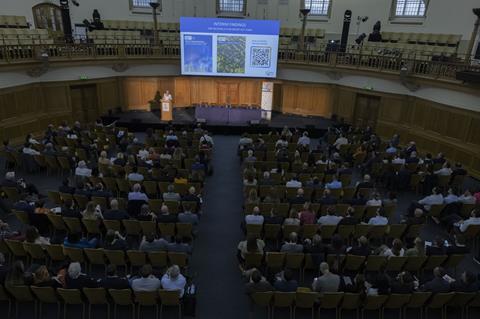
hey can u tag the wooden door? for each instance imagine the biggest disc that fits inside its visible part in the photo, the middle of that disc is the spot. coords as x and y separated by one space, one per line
366 110
84 102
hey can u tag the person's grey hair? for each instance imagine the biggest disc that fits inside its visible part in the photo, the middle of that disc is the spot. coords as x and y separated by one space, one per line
170 188
173 271
114 204
137 187
10 175
74 270
266 174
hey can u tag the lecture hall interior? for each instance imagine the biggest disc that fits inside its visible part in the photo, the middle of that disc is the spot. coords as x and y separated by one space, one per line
240 159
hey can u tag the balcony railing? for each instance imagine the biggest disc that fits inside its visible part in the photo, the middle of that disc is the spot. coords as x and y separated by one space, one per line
391 64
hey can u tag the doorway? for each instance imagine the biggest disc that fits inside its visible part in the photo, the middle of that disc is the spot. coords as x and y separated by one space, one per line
84 102
366 110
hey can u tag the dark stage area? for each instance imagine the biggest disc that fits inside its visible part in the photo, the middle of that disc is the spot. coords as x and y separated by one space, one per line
139 121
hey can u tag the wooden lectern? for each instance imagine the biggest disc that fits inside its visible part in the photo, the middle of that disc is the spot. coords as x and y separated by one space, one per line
167 110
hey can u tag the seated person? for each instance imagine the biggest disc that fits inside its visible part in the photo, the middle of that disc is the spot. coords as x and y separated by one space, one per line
468 282
255 217
174 280
327 282
257 283
379 218
82 170
75 240
112 280
114 213
403 284
137 194
114 241
292 246
187 216
171 195
250 245
75 279
362 248
438 284
179 246
330 219
285 282
150 244
147 281
92 212
307 216
165 216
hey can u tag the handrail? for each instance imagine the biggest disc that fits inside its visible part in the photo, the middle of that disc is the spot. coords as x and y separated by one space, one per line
392 64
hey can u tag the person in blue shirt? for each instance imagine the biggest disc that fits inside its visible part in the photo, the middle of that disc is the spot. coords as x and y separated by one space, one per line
334 184
74 240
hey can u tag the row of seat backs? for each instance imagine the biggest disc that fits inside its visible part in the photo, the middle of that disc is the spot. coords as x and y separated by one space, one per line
425 38
291 32
139 25
8 21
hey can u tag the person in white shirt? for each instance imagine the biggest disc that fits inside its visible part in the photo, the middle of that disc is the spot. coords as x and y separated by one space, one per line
379 219
435 199
167 97
83 170
255 217
206 138
143 153
398 160
304 140
281 143
147 281
467 198
473 220
342 140
294 183
330 218
451 197
397 249
137 194
375 200
245 140
27 149
445 170
286 132
174 280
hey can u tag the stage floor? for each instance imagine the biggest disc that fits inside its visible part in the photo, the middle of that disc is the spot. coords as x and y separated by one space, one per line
139 121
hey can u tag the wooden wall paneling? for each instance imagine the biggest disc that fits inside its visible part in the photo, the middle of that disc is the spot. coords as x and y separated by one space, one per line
204 90
182 94
345 104
391 109
149 87
132 89
8 105
108 97
250 92
289 98
474 131
57 97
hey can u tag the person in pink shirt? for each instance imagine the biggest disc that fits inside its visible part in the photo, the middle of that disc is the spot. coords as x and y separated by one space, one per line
307 216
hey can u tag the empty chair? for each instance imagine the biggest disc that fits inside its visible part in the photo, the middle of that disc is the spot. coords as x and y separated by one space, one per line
283 300
96 296
20 294
170 298
263 299
374 303
45 295
122 297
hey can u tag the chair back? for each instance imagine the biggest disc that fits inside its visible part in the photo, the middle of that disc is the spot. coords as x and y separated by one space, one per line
179 259
70 296
272 231
415 263
122 297
327 231
57 222
395 263
158 258
73 224
396 230
350 301
331 300
439 300
75 254
16 247
374 302
55 252
294 260
397 301
375 263
35 251
132 227
304 299
146 298
353 263
184 230
148 227
253 230
309 230
275 260
112 224
169 297
92 226
283 299
116 257
96 296
95 256
263 299
167 229
418 299
461 299
20 293
137 258
434 261
45 294
253 260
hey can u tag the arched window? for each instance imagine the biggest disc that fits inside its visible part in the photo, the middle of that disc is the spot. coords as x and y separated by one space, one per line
48 16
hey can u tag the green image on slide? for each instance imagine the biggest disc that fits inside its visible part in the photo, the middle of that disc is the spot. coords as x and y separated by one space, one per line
230 54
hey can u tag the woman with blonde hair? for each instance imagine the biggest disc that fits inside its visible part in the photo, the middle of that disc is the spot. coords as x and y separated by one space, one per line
92 212
292 218
252 197
103 159
42 278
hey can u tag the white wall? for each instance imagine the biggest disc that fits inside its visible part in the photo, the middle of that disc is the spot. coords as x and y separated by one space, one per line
443 16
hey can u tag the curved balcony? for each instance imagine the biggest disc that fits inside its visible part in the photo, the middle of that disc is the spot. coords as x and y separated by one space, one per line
383 61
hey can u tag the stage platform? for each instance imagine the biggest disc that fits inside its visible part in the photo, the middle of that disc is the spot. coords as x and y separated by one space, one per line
139 121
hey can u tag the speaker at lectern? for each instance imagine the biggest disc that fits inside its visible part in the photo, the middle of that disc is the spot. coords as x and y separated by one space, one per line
167 107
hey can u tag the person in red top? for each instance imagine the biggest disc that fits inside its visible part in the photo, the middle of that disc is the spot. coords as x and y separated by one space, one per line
307 216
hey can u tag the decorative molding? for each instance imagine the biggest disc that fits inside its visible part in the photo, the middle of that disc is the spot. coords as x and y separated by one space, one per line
120 67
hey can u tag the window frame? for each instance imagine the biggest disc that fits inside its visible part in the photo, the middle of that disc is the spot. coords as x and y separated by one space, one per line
318 17
236 14
406 19
144 10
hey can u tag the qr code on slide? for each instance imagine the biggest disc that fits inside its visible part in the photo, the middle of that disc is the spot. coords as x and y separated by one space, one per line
260 57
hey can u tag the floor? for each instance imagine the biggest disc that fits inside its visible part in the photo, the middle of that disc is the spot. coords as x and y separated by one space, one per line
214 264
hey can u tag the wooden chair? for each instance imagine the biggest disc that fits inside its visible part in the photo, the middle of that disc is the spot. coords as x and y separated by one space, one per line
253 230
95 257
22 294
179 259
395 263
170 298
349 302
158 259
16 247
46 295
283 300
253 260
146 299
58 225
122 297
117 258
274 260
396 302
114 225
96 296
439 301
375 263
295 261
4 297
461 301
331 300
137 258
74 254
263 299
148 227
73 225
92 226
166 229
417 301
353 263
35 251
374 303
305 300
184 230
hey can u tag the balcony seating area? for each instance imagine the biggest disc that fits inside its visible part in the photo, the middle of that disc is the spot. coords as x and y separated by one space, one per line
13 22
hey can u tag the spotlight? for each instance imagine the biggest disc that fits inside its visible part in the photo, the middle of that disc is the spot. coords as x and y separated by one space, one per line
363 19
75 3
476 11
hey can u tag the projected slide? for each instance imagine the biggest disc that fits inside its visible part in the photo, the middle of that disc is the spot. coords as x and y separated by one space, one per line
229 47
